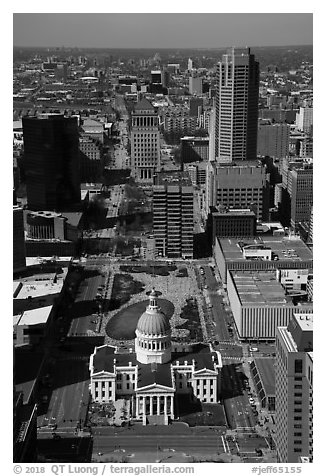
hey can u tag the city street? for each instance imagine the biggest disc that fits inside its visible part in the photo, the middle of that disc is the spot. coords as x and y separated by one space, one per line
198 441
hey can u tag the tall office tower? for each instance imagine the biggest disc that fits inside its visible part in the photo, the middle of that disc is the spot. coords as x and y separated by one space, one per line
19 250
273 140
294 389
237 105
238 186
196 85
145 142
173 214
304 119
190 64
51 162
300 189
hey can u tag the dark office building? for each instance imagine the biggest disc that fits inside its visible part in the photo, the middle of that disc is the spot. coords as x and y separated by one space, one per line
173 214
195 104
234 223
51 146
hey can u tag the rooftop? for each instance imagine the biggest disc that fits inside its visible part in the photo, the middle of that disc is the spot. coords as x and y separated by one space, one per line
154 373
233 212
173 177
287 249
105 359
39 288
200 354
144 105
33 317
259 287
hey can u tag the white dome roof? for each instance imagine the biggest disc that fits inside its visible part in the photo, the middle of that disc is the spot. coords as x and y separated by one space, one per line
153 321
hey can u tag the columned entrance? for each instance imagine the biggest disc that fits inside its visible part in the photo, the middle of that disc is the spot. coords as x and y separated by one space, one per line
155 405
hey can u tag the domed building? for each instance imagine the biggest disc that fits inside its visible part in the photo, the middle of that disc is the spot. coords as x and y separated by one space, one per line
151 374
153 334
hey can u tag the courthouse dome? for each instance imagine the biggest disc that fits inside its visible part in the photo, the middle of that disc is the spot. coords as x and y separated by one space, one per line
153 321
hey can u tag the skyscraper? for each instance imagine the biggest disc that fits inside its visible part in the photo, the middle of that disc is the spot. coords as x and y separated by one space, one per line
294 389
237 105
145 142
51 160
273 139
173 210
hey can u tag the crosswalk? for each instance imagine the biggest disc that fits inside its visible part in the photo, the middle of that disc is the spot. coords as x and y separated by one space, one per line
230 357
229 343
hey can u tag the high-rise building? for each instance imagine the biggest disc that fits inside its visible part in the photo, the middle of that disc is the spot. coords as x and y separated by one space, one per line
196 85
19 250
273 140
173 214
300 188
237 105
51 162
304 119
238 186
145 142
294 389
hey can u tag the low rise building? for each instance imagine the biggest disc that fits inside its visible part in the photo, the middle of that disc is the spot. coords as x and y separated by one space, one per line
194 149
35 301
261 253
228 223
260 303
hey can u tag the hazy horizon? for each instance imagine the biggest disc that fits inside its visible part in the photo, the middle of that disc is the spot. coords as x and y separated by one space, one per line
161 30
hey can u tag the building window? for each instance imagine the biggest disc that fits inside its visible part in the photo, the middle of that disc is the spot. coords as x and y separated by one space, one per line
298 366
